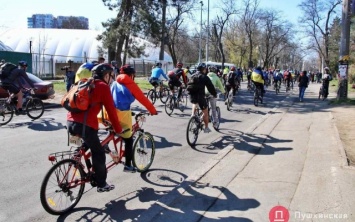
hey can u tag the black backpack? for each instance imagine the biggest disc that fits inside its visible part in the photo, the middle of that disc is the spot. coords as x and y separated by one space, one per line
6 69
231 78
194 85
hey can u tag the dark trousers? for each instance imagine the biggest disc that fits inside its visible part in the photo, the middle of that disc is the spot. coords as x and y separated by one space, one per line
98 153
128 150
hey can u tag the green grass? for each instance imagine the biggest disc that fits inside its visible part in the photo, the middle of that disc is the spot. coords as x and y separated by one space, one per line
59 87
342 102
333 86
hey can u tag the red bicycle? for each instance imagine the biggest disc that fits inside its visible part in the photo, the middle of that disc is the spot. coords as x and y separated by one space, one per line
64 183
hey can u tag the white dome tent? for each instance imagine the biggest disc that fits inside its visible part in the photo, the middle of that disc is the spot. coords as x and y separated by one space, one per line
61 45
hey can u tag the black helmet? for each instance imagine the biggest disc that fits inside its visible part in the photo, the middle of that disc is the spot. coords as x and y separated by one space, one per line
22 63
212 68
201 66
158 64
101 69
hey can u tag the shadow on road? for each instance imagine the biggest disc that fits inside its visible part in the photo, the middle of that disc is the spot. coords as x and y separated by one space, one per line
42 124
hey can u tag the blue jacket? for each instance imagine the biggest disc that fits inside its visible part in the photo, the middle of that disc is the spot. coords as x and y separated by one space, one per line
157 72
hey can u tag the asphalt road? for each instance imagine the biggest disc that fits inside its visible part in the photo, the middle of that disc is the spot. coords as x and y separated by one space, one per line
25 146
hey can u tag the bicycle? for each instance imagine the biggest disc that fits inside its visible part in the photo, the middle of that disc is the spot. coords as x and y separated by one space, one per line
321 94
277 87
64 183
257 96
229 99
174 102
163 93
34 107
196 124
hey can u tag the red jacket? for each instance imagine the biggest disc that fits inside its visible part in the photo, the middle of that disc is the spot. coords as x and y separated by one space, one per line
101 95
124 79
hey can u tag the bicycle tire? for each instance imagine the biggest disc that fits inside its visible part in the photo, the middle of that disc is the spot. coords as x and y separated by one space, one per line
50 203
320 92
183 103
6 111
151 95
216 126
164 95
143 151
192 130
34 108
170 105
256 99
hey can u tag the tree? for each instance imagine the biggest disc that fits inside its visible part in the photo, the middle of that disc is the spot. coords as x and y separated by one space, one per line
316 18
74 23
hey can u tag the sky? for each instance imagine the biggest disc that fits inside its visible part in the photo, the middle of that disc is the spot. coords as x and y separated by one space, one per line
14 14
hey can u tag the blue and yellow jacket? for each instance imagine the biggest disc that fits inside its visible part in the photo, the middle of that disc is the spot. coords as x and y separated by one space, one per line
257 76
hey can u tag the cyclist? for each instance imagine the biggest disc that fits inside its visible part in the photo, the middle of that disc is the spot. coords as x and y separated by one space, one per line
277 78
217 85
87 125
239 76
199 96
174 78
125 91
230 81
327 77
288 78
257 78
157 74
266 77
249 76
14 84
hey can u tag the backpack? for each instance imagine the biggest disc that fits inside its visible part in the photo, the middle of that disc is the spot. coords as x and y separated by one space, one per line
78 98
6 69
122 97
231 78
194 85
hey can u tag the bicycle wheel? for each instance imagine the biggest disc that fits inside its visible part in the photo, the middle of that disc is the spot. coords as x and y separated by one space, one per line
164 95
170 105
34 108
62 187
192 131
256 98
151 95
183 102
143 151
320 93
6 113
216 122
230 100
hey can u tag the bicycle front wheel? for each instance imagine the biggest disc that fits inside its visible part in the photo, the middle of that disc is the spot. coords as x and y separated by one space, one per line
62 187
151 95
6 114
183 102
164 95
192 131
34 108
143 151
169 105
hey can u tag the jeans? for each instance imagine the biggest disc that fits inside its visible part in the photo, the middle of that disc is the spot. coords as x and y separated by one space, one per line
301 94
98 153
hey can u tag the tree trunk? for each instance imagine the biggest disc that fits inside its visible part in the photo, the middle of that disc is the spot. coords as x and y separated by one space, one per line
163 23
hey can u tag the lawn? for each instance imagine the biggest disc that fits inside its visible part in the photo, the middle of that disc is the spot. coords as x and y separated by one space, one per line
59 86
333 86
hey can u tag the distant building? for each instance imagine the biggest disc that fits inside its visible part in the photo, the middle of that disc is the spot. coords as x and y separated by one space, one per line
49 21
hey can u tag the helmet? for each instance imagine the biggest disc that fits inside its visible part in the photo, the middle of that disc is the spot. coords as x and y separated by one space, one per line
201 66
22 63
158 64
179 64
232 68
127 69
326 68
277 70
102 69
258 68
211 68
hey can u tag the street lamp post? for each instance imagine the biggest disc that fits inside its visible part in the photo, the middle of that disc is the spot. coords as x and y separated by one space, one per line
200 49
208 28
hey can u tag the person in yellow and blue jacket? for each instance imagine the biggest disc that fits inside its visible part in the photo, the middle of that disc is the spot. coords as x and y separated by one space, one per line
258 79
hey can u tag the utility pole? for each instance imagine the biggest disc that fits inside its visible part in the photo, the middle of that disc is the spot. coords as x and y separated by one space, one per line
344 52
200 45
208 28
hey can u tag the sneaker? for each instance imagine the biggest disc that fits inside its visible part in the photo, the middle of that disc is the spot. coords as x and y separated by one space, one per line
20 112
129 169
207 130
106 188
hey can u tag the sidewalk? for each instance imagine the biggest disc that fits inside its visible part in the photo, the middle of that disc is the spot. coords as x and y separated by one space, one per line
293 157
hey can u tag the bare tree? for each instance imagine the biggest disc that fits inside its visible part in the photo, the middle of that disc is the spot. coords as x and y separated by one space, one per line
316 18
228 9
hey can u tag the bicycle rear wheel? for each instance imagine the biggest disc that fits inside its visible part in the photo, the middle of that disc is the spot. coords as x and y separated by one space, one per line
170 105
164 95
6 113
151 95
143 151
192 131
256 98
216 122
62 187
34 108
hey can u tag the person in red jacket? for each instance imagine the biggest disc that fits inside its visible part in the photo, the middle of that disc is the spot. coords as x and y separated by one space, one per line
120 89
101 95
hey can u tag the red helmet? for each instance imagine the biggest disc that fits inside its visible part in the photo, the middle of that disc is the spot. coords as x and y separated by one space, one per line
179 64
232 68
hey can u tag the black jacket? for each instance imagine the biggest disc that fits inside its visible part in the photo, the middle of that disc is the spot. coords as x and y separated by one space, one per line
303 81
205 82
